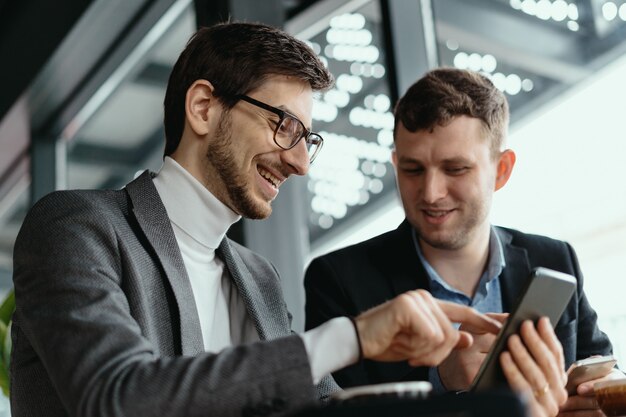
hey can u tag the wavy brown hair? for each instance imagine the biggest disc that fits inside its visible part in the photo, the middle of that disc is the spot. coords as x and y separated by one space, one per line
236 58
445 93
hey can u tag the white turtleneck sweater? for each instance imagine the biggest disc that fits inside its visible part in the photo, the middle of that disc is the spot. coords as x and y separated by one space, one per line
200 222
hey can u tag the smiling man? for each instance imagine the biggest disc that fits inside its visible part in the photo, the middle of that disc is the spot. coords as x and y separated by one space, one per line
133 302
450 129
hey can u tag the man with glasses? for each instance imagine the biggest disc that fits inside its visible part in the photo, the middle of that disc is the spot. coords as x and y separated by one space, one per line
133 302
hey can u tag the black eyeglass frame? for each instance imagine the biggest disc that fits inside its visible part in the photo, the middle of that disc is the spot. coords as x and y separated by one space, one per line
311 138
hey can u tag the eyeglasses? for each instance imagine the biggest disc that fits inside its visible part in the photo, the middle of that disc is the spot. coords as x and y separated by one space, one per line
289 129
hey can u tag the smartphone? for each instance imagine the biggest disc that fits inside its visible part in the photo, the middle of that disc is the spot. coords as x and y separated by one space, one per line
587 369
547 294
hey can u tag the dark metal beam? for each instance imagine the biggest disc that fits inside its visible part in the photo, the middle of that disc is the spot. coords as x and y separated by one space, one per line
30 31
209 12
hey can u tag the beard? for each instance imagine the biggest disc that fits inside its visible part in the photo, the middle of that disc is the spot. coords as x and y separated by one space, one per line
457 236
233 181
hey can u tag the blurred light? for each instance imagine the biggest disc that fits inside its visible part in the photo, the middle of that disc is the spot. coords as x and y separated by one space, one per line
543 9
513 84
529 6
527 84
359 116
355 53
324 60
361 37
499 80
380 170
356 68
329 51
325 222
367 167
325 112
516 4
357 21
349 83
348 21
366 70
609 10
475 62
452 45
573 26
368 101
489 63
364 197
560 10
382 103
376 186
622 11
572 11
379 71
338 98
460 60
385 137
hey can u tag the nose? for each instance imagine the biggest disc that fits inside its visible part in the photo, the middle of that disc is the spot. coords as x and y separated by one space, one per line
434 187
297 158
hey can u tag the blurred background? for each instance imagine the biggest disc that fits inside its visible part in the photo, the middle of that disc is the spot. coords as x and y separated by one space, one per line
83 83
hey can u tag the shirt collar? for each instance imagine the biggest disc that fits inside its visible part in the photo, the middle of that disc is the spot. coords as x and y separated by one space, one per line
495 264
192 207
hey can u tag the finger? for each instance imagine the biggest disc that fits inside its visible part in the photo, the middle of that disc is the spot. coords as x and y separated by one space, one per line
546 332
586 388
576 402
465 315
519 384
538 363
526 364
546 351
451 335
424 322
501 317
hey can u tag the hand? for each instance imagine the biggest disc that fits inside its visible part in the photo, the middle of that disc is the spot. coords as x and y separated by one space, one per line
416 327
583 403
534 366
458 370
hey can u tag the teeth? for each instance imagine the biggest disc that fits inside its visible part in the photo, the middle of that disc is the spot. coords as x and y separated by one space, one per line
435 213
272 179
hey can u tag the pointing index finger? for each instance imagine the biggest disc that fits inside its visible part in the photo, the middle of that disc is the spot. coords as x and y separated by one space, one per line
471 318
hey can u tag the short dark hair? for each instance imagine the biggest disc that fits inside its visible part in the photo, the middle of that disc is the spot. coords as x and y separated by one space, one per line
445 93
236 58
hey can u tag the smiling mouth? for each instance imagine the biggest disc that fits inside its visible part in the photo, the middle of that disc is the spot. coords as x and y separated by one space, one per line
436 213
273 180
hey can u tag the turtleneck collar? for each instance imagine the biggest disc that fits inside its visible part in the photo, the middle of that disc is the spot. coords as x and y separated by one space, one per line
192 207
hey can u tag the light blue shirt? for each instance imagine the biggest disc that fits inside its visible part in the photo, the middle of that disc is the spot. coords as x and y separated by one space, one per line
488 296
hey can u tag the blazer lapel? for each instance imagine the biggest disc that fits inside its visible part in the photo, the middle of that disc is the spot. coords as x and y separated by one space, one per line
515 274
155 224
406 272
264 319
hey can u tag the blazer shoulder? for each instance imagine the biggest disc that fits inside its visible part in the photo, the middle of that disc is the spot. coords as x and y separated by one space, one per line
542 250
529 240
380 244
73 200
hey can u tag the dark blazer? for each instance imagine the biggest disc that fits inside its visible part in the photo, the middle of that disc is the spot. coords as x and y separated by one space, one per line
356 278
106 323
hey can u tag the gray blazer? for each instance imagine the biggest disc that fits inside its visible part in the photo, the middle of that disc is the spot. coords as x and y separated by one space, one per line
106 323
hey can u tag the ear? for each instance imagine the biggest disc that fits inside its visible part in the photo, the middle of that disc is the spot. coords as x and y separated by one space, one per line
394 158
506 162
198 101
